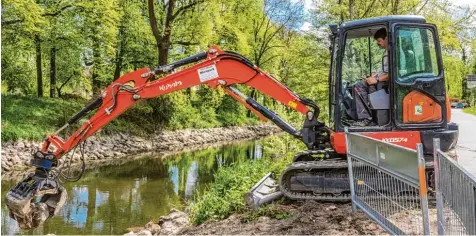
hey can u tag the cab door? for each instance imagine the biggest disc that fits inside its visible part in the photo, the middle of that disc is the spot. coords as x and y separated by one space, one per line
418 81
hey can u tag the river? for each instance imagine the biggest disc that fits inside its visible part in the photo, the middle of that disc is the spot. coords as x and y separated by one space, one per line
109 199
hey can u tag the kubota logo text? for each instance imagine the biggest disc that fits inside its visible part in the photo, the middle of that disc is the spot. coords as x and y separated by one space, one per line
171 85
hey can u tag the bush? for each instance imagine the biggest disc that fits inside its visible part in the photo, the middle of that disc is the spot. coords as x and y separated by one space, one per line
470 110
225 195
31 118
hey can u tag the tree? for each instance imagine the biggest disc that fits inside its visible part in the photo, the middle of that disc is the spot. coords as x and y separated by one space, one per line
162 27
27 17
277 16
100 27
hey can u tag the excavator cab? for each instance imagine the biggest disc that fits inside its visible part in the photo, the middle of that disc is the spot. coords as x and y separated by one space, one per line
410 107
413 99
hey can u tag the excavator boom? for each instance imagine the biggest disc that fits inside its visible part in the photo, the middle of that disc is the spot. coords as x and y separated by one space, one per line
215 68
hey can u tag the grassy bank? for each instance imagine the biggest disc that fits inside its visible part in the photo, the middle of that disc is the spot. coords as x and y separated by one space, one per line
225 195
470 110
31 118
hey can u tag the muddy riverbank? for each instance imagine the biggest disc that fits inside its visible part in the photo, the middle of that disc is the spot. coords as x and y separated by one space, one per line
289 217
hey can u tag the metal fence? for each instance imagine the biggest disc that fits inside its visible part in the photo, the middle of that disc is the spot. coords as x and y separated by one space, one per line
388 183
455 195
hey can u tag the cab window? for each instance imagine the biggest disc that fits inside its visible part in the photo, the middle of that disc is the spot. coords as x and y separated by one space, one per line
416 54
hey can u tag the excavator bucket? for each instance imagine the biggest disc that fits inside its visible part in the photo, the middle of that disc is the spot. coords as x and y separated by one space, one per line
265 191
20 200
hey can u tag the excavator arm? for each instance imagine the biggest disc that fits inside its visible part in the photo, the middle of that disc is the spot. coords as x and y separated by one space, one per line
215 68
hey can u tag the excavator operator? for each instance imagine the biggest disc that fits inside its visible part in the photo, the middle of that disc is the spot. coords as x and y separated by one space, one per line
372 83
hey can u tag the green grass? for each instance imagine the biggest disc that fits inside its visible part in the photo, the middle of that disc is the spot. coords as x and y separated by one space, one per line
470 110
225 195
32 118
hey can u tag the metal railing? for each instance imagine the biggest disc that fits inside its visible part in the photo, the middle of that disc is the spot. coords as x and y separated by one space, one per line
388 183
455 195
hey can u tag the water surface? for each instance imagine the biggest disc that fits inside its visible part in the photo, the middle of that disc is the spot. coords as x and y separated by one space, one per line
109 199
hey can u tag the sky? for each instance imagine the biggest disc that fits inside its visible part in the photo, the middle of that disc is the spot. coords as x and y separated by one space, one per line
471 3
308 5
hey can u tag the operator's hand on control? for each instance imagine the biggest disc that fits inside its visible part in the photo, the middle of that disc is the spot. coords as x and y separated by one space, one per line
371 80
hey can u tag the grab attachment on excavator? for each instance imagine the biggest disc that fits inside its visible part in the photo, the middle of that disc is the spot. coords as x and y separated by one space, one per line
21 199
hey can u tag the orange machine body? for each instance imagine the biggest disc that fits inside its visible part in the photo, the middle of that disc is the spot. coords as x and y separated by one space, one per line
420 108
407 139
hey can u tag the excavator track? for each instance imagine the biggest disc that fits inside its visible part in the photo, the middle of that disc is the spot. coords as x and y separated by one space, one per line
325 179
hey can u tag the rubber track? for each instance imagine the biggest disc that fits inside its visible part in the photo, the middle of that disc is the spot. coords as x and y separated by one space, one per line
340 166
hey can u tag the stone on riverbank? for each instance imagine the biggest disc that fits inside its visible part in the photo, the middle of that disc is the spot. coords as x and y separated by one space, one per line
170 224
16 155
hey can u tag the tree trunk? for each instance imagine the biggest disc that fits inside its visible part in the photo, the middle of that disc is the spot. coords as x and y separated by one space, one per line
341 11
464 83
162 40
253 96
39 74
96 83
117 71
395 7
153 26
52 71
351 9
165 43
58 89
119 54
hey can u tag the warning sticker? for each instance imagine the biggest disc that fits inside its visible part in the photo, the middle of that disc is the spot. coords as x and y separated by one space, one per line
418 110
207 73
292 104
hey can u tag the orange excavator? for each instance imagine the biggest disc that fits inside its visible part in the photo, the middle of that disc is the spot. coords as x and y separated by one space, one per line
416 110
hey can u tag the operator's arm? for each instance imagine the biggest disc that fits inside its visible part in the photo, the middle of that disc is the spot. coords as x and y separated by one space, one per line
373 79
214 68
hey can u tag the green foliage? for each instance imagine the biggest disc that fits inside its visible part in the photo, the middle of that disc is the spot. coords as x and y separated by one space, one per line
33 118
470 110
471 97
455 71
225 195
96 41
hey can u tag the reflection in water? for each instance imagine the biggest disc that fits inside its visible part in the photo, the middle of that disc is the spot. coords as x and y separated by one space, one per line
192 179
109 199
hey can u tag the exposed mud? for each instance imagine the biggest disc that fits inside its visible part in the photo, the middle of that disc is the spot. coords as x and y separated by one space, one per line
308 217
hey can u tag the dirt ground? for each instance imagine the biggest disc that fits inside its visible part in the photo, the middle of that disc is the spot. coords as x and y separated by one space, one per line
307 217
